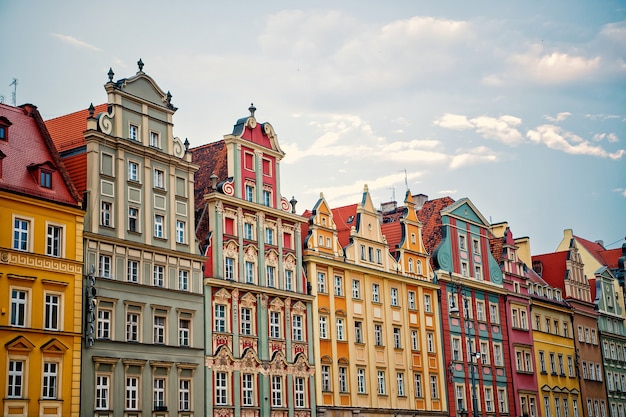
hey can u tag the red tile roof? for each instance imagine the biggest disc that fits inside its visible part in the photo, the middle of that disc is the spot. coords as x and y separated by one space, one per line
67 131
29 146
345 218
430 216
553 267
607 257
393 233
77 169
212 159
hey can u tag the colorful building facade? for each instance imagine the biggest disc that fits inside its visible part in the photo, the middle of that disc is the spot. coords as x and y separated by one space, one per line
473 308
258 320
143 323
40 271
376 312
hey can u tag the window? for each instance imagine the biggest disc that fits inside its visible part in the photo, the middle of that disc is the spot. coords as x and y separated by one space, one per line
296 322
414 340
561 365
45 178
299 392
267 198
132 393
476 246
158 275
394 296
524 320
457 355
321 283
271 273
503 402
360 380
250 272
340 329
277 391
325 378
464 269
462 244
339 285
480 310
159 330
356 289
221 397
459 394
552 364
220 318
133 171
53 240
19 300
184 395
132 327
375 293
103 323
542 361
133 219
434 387
488 399
274 325
493 313
381 383
247 389
397 338
180 231
378 335
154 140
343 379
411 300
497 355
229 268
159 220
478 272
249 191
159 393
183 280
159 177
133 132
288 280
269 236
184 333
323 327
102 392
570 366
15 388
430 341
246 321
362 252
104 266
52 311
484 353
248 231
400 383
358 332
427 303
20 234
417 382
132 271
419 267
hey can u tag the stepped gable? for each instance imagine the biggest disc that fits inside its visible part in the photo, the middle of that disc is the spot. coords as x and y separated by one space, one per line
430 217
345 219
212 159
29 149
67 131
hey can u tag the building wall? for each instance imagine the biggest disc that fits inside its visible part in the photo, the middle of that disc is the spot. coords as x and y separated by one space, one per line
38 343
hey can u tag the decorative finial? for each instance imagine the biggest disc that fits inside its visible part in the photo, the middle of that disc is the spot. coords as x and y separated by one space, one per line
293 203
169 97
251 109
186 145
92 110
111 74
140 65
213 181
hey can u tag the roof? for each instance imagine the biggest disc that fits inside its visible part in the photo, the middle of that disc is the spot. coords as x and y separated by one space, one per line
76 166
212 159
345 219
430 216
393 233
29 147
67 131
607 257
553 267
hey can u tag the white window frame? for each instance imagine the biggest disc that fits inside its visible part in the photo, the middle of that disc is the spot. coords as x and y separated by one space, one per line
21 234
54 240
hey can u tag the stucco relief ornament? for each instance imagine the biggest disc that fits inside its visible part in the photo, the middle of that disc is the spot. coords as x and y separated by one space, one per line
231 249
269 130
219 207
105 124
284 204
251 254
227 187
178 148
264 299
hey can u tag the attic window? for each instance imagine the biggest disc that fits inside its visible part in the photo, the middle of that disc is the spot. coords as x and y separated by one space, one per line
3 133
350 219
4 128
45 178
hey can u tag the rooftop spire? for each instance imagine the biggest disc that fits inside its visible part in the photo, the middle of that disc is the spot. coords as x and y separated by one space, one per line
140 65
251 109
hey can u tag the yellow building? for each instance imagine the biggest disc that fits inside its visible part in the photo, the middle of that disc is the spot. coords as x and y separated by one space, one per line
40 272
376 313
554 351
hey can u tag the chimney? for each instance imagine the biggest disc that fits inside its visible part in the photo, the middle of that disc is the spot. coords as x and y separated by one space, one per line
419 200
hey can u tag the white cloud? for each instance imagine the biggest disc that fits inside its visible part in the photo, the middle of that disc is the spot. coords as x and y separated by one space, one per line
610 137
556 138
621 191
447 192
503 128
75 42
478 155
559 117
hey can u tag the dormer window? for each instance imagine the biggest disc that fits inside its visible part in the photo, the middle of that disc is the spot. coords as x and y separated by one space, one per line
45 178
4 128
42 174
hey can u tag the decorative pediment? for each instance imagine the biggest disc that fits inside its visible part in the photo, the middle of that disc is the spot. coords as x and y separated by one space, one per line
278 364
19 344
343 361
289 261
299 308
301 367
465 209
248 300
249 362
223 360
251 253
326 359
231 248
276 304
271 257
222 296
54 347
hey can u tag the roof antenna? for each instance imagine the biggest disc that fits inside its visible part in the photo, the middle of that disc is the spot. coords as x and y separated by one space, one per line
393 193
14 93
406 180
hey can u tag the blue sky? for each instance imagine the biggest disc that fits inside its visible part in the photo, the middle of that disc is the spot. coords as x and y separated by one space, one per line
520 107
